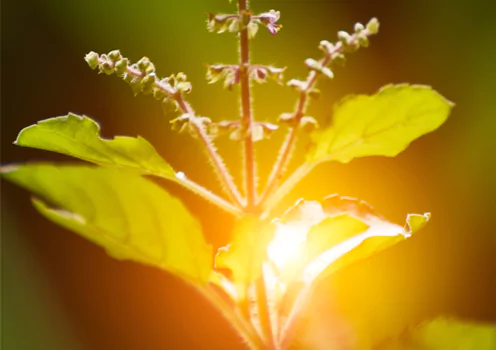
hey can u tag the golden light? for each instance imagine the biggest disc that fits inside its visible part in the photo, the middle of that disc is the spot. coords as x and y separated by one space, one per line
287 245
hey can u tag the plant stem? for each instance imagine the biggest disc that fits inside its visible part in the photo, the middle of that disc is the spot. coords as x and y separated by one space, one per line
250 171
288 146
216 160
208 195
243 328
246 112
264 312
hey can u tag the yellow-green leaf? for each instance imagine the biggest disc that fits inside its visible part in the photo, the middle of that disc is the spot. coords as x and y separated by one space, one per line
383 124
79 137
129 216
380 235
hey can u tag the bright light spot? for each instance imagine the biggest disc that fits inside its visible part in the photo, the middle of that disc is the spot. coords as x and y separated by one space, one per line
288 244
180 175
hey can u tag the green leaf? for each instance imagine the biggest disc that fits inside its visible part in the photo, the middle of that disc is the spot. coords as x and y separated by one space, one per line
129 216
383 124
79 137
446 333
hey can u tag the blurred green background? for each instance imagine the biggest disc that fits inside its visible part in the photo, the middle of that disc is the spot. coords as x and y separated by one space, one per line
61 292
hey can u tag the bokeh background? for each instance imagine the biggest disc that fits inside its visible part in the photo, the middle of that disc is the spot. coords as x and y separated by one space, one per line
61 292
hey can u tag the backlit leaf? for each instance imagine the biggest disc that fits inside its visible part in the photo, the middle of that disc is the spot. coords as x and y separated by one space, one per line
129 216
383 124
313 240
79 137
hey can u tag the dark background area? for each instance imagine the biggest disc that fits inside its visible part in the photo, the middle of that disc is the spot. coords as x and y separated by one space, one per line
61 292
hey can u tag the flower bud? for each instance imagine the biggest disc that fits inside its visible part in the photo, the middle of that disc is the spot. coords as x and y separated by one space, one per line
184 86
121 66
257 132
135 84
269 129
213 130
287 118
259 74
143 64
234 27
181 76
107 68
158 94
148 83
359 27
344 37
236 135
339 58
252 29
373 26
178 123
352 46
326 46
115 55
308 124
297 84
92 59
313 64
317 66
327 72
363 41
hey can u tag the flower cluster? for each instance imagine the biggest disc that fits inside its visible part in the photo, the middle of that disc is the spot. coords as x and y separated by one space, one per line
333 54
236 131
234 23
305 122
187 123
231 74
141 76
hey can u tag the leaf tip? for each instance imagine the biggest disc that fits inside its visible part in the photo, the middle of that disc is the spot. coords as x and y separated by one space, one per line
415 222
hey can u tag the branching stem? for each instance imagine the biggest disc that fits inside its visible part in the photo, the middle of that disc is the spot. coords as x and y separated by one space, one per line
250 165
216 160
287 147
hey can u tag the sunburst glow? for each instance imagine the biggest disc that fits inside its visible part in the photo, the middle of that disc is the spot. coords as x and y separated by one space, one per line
288 244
